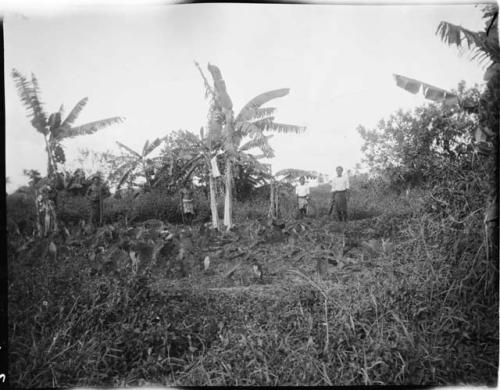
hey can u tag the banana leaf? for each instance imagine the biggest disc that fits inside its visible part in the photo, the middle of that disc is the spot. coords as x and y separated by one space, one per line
73 115
250 109
429 91
89 128
220 87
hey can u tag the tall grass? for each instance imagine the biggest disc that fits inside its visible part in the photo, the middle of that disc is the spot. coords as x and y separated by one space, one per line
423 311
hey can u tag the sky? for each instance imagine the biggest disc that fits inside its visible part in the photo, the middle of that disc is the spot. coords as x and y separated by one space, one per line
137 61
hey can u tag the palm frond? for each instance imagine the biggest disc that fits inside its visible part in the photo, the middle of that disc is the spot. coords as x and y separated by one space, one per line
73 115
190 167
152 146
243 129
125 177
481 47
253 143
248 111
35 100
28 94
220 87
131 151
262 143
144 148
90 128
262 112
285 128
23 89
263 123
125 167
429 91
251 160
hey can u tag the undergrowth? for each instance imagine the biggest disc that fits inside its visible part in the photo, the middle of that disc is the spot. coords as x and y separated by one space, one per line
422 312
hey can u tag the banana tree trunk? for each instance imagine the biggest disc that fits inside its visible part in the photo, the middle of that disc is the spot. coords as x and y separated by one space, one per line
230 150
272 205
213 201
228 200
51 164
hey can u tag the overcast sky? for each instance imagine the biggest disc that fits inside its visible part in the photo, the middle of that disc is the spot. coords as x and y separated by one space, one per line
137 62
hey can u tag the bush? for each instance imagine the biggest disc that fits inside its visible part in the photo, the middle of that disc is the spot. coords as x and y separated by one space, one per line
156 204
70 209
21 211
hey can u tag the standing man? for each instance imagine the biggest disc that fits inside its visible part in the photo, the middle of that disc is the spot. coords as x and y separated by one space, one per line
302 191
340 193
46 222
187 203
96 194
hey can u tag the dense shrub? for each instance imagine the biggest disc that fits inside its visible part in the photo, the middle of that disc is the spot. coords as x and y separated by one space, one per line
21 210
70 209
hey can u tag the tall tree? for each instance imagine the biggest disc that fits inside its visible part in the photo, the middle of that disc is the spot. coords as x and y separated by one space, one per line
53 128
252 122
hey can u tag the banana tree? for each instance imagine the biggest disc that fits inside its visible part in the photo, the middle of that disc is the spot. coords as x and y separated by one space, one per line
138 163
214 134
251 122
53 128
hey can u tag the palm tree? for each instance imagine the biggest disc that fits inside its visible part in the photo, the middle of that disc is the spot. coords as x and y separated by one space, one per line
52 127
138 162
252 121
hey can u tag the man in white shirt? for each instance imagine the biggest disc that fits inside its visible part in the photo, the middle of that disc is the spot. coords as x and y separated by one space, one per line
340 192
302 191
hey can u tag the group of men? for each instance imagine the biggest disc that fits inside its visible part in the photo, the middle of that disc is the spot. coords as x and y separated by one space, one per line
340 193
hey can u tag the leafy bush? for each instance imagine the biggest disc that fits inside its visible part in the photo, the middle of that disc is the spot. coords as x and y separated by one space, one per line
409 148
70 209
156 204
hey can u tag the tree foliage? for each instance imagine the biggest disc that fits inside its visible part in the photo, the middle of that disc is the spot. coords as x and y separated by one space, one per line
411 147
133 164
249 126
53 127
